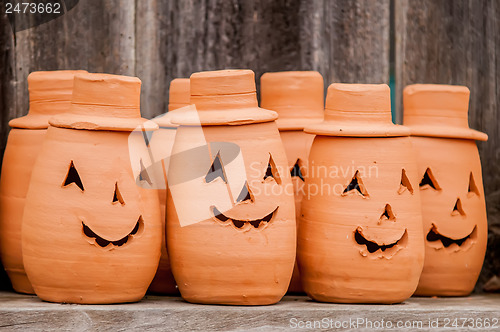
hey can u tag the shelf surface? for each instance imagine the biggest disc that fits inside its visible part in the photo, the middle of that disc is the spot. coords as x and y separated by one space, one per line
158 313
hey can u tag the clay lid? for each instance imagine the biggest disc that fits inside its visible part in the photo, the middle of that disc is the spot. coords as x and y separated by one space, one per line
104 102
438 110
223 97
50 93
297 96
179 93
358 110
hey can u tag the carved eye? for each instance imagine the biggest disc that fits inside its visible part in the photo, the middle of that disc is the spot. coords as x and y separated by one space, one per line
405 183
473 189
296 171
429 180
73 177
216 170
272 170
356 186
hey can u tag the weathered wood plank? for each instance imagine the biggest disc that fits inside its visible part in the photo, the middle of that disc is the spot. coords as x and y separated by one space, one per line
7 100
97 36
347 41
458 42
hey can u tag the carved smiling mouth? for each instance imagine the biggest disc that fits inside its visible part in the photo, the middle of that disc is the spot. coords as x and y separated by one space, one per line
388 249
256 223
101 242
465 242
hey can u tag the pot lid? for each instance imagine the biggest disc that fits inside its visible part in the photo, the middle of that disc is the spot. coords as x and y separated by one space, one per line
179 93
223 97
49 93
297 97
104 102
358 110
438 110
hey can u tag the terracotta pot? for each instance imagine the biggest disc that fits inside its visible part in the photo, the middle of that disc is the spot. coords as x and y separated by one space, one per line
50 93
451 186
360 238
179 93
230 214
298 98
161 145
90 234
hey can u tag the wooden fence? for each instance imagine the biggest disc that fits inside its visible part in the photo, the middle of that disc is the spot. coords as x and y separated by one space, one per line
383 41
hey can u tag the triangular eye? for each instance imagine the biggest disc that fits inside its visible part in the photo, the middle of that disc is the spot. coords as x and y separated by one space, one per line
388 214
216 170
117 196
458 209
272 171
429 181
143 175
473 189
356 185
244 194
73 177
295 171
405 183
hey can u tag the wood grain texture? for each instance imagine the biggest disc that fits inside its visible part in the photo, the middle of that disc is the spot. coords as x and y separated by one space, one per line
7 100
458 42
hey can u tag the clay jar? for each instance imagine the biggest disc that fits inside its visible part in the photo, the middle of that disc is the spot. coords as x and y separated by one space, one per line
90 234
161 146
50 93
298 98
451 186
360 238
230 214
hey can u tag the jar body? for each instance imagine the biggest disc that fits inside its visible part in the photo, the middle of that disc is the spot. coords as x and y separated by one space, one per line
90 234
454 215
297 144
19 158
244 255
360 238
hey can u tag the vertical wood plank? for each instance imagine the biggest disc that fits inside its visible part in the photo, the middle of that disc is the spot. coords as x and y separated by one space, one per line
7 100
347 41
97 36
458 42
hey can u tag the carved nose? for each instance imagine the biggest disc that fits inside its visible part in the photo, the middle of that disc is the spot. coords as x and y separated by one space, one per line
117 196
458 209
244 194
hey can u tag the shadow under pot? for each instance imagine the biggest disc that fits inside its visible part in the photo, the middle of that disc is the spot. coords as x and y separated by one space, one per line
230 213
451 186
92 233
360 235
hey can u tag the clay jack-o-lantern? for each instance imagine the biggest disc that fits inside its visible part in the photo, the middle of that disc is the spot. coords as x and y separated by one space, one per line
231 227
90 234
50 94
298 98
451 186
360 238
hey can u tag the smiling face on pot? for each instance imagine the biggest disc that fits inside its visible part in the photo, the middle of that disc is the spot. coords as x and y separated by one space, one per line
86 211
363 218
245 190
454 215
